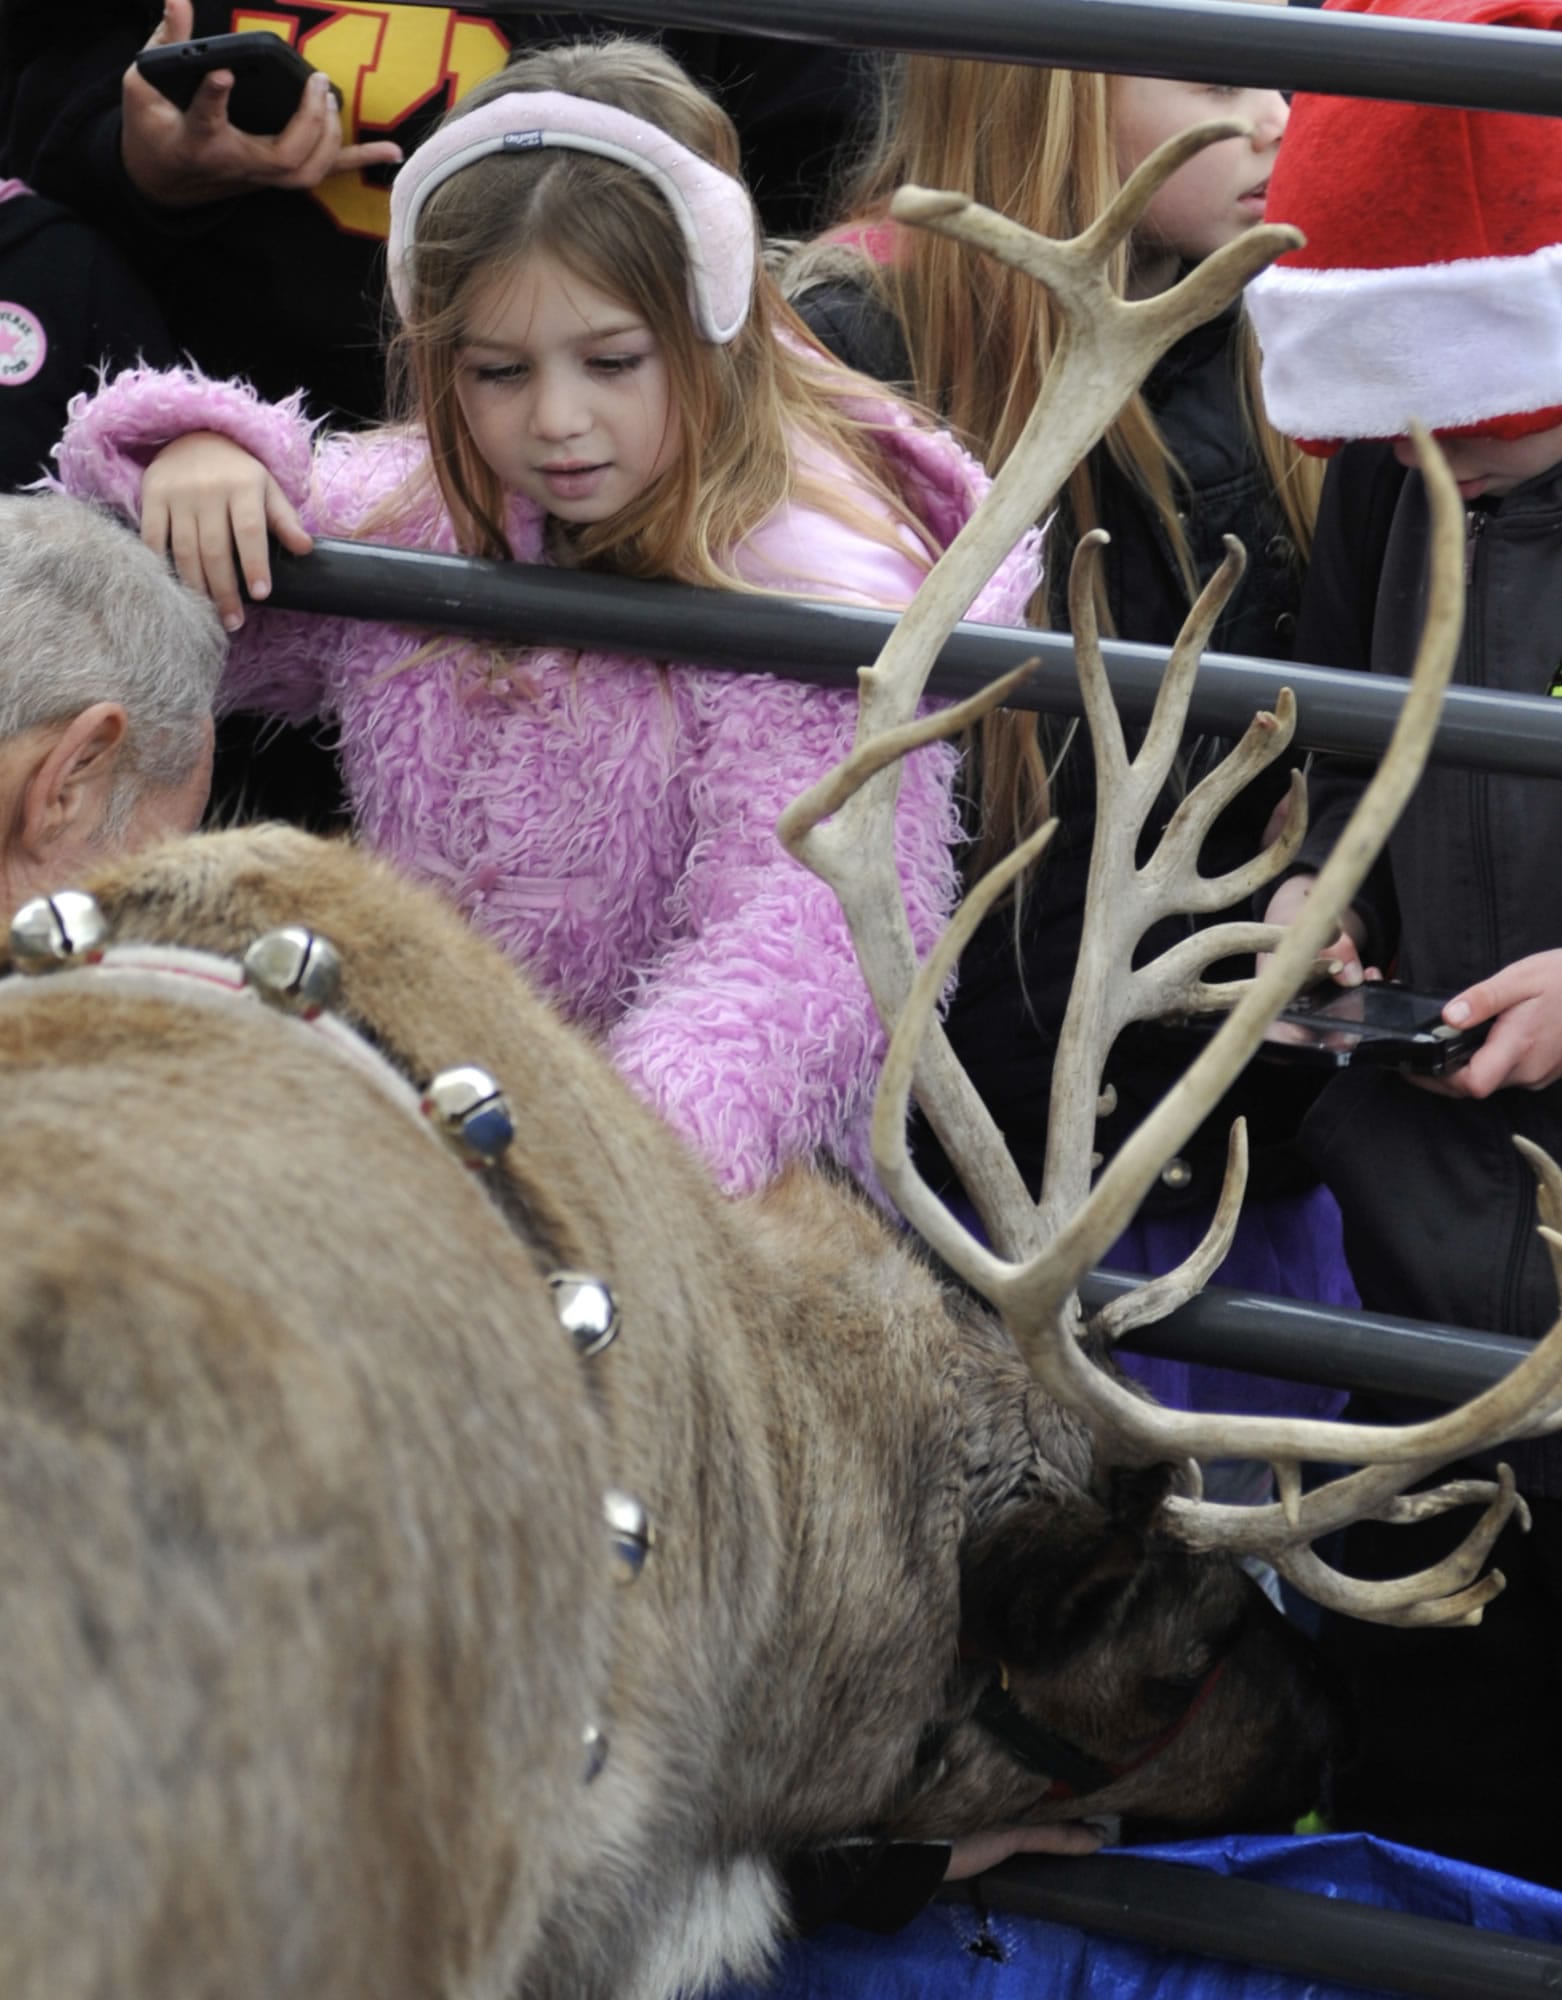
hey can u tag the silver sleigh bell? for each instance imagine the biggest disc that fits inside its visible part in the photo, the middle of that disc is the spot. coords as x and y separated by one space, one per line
468 1109
586 1310
593 1742
53 933
630 1534
295 970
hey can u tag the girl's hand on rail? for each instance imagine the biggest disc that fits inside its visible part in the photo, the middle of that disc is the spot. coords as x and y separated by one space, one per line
203 498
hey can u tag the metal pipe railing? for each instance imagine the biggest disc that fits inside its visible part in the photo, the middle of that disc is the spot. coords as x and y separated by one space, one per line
1379 1352
1352 1945
1223 41
810 641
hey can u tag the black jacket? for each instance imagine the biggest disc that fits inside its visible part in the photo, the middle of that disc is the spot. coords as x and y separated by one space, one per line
1439 1207
1005 1017
68 305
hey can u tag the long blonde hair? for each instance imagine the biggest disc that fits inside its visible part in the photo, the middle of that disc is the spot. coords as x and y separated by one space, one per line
741 409
1038 145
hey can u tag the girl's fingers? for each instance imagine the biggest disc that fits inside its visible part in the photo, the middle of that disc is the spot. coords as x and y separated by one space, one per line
248 517
221 582
184 545
154 524
214 507
282 519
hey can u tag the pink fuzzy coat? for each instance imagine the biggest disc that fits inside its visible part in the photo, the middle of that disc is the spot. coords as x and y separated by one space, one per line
611 826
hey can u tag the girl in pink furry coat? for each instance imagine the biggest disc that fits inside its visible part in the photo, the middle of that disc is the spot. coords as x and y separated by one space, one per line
598 373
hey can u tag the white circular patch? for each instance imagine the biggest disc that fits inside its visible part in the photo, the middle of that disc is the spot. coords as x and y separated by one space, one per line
23 345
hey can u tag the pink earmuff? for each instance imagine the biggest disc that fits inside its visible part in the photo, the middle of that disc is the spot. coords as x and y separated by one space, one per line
712 210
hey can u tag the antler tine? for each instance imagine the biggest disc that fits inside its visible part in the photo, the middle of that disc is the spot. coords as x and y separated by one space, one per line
1426 1597
1448 1593
868 889
1266 737
1372 1493
933 1221
1548 1181
1077 271
1123 899
1087 383
1158 1296
1548 1200
1106 726
1119 220
1170 712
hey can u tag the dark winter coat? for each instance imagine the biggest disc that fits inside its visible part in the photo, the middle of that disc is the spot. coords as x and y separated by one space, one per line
68 306
1439 1207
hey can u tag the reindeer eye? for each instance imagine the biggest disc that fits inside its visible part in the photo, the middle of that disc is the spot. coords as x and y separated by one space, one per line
1173 1692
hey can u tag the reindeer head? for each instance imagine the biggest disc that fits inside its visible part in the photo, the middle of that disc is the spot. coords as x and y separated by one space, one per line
1107 1670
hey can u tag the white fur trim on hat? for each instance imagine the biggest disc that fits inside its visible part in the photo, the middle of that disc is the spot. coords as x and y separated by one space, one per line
1358 354
714 214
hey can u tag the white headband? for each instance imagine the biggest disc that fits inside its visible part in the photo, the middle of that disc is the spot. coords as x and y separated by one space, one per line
714 214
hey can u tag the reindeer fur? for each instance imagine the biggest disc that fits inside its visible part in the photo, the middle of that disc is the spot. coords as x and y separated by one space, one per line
305 1595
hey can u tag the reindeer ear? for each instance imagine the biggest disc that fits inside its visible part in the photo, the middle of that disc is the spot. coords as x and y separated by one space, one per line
1036 1588
1134 1495
1048 1578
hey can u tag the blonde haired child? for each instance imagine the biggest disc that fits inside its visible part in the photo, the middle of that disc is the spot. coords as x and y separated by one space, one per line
1187 461
1190 456
599 374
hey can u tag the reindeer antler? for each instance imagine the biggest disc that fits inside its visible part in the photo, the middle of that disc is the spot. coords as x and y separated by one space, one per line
1107 346
1044 1249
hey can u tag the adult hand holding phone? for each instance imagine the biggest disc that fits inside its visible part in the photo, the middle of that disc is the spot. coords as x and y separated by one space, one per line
181 159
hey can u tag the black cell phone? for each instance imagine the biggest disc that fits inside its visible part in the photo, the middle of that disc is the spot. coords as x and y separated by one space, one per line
1379 1022
268 75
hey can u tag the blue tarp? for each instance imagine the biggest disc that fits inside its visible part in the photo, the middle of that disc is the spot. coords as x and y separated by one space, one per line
950 1952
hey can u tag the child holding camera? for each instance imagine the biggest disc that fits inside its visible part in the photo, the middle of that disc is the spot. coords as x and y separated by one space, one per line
1428 289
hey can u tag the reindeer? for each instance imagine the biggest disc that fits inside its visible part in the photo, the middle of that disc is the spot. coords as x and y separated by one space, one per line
425 1581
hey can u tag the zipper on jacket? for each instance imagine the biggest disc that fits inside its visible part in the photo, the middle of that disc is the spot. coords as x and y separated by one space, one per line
1474 527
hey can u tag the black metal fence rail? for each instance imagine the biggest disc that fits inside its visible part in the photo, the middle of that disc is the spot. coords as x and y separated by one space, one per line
1377 1352
1315 1937
1222 41
812 641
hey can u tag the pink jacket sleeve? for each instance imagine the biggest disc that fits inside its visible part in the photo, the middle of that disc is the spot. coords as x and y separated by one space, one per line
755 1036
112 437
275 662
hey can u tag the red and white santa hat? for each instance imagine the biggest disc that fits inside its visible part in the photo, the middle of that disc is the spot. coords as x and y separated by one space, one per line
1430 285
